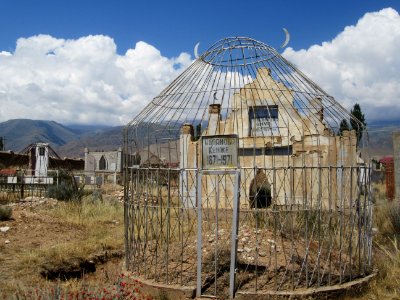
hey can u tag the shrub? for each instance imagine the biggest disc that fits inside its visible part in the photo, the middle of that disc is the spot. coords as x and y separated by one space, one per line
5 212
4 197
97 196
65 191
394 217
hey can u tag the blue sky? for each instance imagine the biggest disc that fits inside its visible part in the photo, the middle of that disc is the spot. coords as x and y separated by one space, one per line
176 26
113 57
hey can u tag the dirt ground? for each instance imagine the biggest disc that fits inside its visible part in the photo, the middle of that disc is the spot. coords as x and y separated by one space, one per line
32 232
28 239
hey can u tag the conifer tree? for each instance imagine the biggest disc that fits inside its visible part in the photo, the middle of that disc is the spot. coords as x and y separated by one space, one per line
344 125
358 122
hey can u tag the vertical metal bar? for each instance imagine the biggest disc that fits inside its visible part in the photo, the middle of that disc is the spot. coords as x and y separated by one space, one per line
161 238
306 217
136 211
168 233
133 211
370 215
257 226
131 215
351 222
216 233
330 183
276 214
359 232
227 204
291 183
157 225
234 237
319 224
364 226
126 218
146 222
199 233
341 208
180 222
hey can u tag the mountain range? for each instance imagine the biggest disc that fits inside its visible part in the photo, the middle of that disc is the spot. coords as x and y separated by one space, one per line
67 141
70 141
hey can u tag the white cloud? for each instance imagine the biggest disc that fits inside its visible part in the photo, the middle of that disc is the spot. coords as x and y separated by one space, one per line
82 81
361 64
85 80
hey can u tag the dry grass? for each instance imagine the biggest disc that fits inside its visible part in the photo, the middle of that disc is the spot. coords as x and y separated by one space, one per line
386 249
85 229
110 188
8 197
101 225
97 225
120 287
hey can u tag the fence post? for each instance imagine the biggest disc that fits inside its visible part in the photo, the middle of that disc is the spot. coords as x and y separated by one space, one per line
396 160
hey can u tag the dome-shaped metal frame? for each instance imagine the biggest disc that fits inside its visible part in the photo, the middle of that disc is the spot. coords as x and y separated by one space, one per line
242 164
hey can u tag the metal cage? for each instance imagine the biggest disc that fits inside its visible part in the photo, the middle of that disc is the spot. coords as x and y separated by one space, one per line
239 178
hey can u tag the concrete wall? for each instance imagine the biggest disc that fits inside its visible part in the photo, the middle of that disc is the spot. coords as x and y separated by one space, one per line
113 160
112 165
321 168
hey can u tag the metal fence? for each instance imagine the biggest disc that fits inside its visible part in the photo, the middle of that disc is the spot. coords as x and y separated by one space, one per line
322 240
20 184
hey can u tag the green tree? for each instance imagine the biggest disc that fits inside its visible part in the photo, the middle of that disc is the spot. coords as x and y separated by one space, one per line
357 121
198 132
344 125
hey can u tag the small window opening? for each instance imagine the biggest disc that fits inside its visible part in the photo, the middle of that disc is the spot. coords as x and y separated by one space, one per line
264 120
41 151
102 163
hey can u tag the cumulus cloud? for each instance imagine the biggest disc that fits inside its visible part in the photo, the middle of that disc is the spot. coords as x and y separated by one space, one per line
361 64
82 81
86 81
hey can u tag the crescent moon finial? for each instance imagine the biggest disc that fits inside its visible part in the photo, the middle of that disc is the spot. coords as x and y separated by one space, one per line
196 50
287 38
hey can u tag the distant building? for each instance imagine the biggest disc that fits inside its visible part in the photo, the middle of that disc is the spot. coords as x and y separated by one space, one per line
38 165
149 159
386 160
103 166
